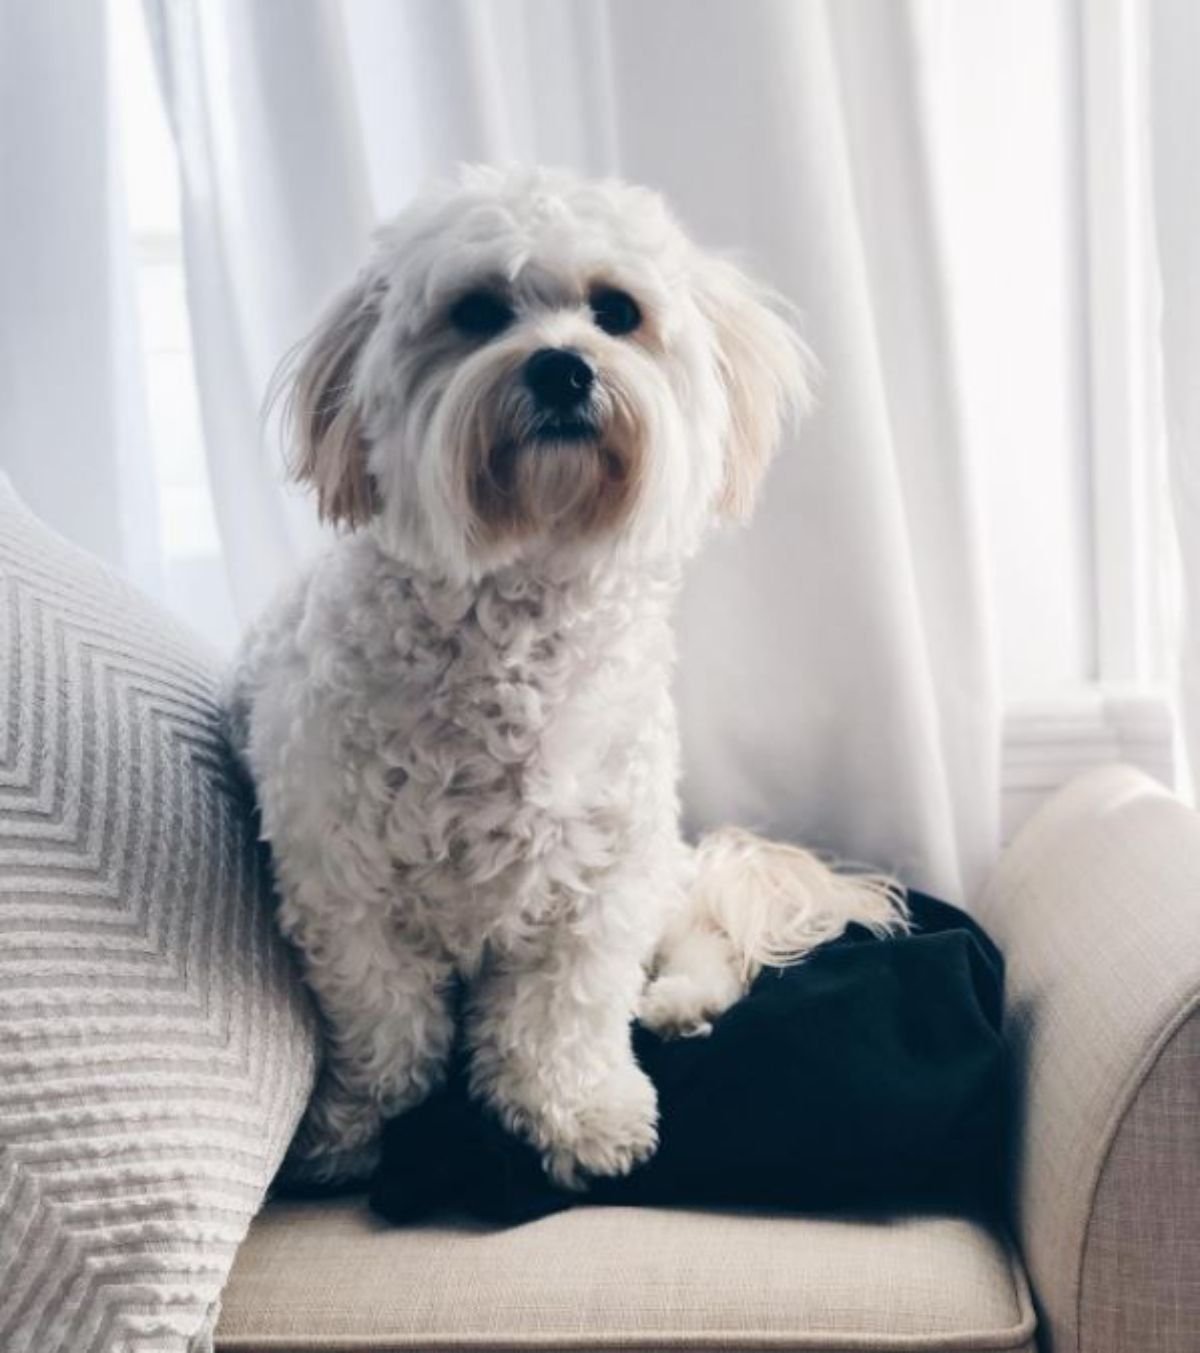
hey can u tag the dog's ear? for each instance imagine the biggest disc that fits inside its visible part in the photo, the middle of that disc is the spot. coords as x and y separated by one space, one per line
764 367
322 417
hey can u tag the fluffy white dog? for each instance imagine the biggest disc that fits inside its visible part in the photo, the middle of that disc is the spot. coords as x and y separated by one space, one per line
527 409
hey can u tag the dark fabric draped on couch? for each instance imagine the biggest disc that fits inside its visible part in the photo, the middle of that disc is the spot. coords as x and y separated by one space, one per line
870 1075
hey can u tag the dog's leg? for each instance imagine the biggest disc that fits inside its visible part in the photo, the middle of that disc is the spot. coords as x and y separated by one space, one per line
697 975
388 1032
551 1054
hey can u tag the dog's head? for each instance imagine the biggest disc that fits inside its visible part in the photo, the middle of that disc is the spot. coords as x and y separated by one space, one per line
532 364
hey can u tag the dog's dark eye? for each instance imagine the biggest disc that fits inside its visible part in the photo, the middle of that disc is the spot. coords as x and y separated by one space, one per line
616 312
482 314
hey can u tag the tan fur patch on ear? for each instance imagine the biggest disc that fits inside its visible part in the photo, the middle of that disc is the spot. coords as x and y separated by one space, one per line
764 368
329 450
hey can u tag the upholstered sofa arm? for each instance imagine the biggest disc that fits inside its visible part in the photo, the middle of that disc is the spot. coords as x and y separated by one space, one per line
1096 905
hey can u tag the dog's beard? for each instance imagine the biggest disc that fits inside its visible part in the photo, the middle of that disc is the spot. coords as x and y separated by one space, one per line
524 473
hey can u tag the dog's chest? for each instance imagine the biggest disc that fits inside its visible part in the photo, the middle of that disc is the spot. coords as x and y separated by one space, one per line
510 751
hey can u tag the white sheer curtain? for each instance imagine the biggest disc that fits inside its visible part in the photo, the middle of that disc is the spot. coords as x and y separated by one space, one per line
1174 64
835 678
73 436
837 674
275 216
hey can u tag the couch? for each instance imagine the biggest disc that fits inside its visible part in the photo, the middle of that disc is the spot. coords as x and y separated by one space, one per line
1097 907
156 1049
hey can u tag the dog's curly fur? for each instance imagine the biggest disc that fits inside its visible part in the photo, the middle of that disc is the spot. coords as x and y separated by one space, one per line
460 723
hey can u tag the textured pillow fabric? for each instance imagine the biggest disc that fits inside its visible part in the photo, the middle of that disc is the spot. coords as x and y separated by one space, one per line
156 1048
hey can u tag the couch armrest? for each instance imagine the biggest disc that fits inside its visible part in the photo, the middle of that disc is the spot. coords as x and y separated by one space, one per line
1096 905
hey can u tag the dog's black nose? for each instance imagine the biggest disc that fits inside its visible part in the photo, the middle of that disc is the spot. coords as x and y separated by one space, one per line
559 378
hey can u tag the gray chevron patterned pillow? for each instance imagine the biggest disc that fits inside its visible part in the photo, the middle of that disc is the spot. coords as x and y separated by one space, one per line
156 1050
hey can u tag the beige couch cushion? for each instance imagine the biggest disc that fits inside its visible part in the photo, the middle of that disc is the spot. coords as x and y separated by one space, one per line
328 1276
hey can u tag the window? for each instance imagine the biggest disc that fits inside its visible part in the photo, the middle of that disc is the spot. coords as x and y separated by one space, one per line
193 566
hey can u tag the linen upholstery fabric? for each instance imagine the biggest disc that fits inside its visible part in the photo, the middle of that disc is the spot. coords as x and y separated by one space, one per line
1141 1272
1096 906
155 1046
329 1276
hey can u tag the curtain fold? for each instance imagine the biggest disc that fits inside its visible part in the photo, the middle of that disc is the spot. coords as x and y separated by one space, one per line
835 676
276 215
1174 99
73 424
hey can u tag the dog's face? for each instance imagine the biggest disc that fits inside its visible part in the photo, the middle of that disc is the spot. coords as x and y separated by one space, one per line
532 365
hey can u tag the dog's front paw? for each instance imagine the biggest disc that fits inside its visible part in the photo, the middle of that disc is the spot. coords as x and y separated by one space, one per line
683 1005
606 1134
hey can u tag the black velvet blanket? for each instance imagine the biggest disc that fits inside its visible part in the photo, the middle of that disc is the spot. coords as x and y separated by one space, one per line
870 1075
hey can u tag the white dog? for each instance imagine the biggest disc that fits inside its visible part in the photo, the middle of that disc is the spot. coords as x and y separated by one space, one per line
527 409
